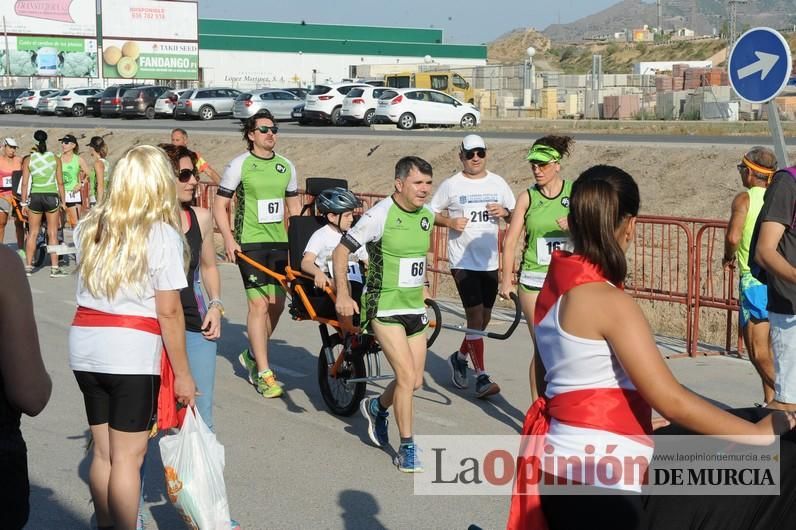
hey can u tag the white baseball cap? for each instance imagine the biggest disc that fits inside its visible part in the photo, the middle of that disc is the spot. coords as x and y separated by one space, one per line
11 142
473 141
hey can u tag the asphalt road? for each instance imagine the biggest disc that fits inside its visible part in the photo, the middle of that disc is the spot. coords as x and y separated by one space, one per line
229 125
289 462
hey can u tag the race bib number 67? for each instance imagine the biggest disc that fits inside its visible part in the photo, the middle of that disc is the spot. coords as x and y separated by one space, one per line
411 272
270 210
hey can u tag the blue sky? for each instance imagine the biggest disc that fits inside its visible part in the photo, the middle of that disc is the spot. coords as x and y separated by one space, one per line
464 21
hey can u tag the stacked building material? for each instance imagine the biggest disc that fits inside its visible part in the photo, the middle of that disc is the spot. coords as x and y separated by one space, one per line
620 107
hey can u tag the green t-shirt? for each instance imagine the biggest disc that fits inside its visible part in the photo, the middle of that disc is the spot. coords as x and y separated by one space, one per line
397 242
261 186
543 233
42 172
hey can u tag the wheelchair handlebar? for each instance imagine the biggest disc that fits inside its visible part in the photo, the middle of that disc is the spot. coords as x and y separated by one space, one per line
437 325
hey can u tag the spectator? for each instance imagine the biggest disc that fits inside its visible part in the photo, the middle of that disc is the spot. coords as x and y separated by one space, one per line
179 137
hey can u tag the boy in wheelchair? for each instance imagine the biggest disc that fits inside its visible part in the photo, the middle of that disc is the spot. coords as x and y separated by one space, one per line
337 206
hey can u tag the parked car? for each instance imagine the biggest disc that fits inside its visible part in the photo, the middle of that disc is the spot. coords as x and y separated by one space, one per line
279 102
206 103
140 101
93 104
47 104
73 101
29 100
8 99
325 102
298 113
167 102
111 103
413 106
300 92
359 105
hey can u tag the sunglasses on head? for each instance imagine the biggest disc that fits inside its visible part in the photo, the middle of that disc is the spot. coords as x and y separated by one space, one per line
264 129
185 174
470 153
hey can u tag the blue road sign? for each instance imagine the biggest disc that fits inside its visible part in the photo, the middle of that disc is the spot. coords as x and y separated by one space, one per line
759 65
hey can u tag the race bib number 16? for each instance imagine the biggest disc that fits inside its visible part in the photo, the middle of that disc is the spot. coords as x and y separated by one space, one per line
411 272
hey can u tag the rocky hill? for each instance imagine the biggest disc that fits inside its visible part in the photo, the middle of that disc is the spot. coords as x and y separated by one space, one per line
705 17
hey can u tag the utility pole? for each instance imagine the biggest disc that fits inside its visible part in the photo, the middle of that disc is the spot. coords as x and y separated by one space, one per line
660 16
733 8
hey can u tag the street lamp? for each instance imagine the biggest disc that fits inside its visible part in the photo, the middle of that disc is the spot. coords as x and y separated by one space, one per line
529 79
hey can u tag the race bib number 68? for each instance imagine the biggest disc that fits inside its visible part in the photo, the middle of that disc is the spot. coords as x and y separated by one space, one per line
411 272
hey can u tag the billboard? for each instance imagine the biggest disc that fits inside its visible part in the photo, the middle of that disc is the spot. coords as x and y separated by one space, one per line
69 18
136 59
161 20
30 56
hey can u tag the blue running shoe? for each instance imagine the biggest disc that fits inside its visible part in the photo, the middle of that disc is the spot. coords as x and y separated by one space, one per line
407 459
377 421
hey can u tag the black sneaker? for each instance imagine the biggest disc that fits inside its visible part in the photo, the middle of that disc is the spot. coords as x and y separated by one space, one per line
458 370
484 387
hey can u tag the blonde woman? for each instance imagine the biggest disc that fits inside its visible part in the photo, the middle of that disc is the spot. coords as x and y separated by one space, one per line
131 266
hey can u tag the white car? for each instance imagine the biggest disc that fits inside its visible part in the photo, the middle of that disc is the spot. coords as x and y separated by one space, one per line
167 102
421 106
359 106
325 102
72 101
46 104
29 100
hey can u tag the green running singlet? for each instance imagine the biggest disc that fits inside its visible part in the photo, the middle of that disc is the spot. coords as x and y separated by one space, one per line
543 234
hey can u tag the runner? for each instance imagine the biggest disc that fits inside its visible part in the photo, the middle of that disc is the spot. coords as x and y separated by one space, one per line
74 171
100 173
756 169
541 212
474 201
179 137
337 206
265 182
397 234
10 162
42 194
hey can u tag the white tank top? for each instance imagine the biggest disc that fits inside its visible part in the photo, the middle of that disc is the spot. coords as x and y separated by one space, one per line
575 363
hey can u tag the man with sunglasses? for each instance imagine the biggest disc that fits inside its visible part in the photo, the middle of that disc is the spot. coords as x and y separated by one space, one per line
266 184
471 204
10 163
757 167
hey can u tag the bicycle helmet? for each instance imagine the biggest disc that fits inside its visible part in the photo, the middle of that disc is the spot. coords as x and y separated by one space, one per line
336 200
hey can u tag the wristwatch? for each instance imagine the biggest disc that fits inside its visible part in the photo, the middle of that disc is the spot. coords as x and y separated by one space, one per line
216 302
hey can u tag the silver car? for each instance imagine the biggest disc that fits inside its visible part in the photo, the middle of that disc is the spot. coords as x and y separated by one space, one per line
29 100
205 103
47 104
167 102
72 101
279 102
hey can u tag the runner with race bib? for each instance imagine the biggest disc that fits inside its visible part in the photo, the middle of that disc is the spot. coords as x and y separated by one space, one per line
265 184
541 213
474 201
74 170
10 163
397 235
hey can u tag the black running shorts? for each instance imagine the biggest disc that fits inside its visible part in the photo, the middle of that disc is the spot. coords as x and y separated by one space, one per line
476 287
127 403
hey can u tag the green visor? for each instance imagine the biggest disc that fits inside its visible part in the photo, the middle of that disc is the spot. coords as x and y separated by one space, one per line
543 154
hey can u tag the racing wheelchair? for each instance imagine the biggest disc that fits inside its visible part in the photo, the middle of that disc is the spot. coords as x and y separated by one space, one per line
347 361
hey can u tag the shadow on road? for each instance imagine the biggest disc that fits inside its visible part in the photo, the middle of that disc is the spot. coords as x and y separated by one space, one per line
47 512
359 510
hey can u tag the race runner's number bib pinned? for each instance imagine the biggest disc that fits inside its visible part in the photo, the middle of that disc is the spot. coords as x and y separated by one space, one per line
546 245
354 272
73 196
7 182
411 272
270 210
477 218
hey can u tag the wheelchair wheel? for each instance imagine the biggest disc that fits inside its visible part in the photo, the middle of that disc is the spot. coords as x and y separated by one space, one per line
341 397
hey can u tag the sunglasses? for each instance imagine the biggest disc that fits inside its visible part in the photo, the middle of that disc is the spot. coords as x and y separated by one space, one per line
186 174
469 154
540 165
264 129
741 167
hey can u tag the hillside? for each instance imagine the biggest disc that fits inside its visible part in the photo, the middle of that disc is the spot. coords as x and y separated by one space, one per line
709 16
618 58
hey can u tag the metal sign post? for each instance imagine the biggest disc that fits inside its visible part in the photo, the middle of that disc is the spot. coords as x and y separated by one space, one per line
759 68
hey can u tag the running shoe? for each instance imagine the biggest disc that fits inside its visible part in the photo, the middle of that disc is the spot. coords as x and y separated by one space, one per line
58 272
377 421
28 270
458 370
21 254
248 362
484 387
407 459
268 386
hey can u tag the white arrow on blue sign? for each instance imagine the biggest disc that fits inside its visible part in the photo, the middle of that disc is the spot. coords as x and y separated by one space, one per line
759 65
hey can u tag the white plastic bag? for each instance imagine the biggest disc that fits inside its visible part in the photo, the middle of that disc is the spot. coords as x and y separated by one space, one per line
193 462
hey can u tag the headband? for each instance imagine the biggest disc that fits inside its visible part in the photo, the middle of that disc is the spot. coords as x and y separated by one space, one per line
766 172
